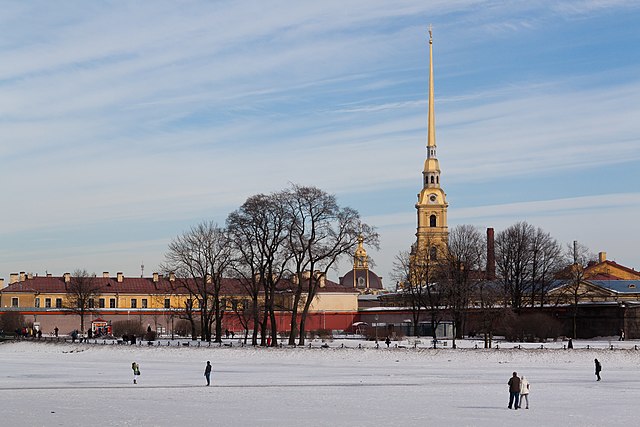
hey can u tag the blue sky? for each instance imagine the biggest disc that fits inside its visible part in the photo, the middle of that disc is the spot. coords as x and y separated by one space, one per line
123 124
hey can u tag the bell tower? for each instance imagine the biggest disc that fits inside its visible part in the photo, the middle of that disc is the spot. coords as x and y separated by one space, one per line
432 233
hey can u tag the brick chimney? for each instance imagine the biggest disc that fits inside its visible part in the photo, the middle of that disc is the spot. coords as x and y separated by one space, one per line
319 276
67 277
22 276
172 276
155 277
120 276
491 255
105 274
14 278
602 257
1 283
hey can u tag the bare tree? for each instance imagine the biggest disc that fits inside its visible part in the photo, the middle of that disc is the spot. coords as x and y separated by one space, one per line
411 290
81 292
488 298
546 262
199 258
425 286
513 262
321 233
578 257
242 312
460 267
258 231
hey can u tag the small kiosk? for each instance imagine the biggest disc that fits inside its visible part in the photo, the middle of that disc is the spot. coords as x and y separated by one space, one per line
100 327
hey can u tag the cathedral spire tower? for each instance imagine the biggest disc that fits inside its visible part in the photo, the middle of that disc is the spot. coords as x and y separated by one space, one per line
432 233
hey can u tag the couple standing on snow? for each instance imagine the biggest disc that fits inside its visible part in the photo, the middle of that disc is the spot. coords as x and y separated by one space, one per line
518 390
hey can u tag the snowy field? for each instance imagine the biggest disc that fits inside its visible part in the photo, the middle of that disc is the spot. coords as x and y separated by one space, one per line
56 384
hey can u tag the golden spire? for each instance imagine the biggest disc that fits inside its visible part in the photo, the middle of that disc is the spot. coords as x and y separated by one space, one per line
431 138
360 259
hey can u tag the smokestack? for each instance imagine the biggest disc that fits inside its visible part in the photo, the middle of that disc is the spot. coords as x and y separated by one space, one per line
491 255
602 257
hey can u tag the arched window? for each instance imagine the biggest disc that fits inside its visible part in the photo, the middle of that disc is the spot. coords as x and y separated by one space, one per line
437 180
432 221
433 252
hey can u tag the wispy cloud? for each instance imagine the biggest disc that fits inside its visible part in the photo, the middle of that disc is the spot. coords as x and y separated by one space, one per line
121 114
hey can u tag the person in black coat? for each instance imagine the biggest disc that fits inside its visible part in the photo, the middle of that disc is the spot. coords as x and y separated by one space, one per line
207 372
598 369
514 391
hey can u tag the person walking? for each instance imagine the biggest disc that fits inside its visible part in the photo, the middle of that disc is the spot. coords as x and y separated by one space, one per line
598 369
514 391
207 372
136 372
524 391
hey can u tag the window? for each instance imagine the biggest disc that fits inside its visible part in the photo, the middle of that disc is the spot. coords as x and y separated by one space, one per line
432 179
134 303
112 303
47 302
14 302
144 303
91 303
58 302
432 221
167 303
36 303
101 303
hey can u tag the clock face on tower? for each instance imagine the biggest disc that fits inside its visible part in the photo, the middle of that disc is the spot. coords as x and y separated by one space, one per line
433 198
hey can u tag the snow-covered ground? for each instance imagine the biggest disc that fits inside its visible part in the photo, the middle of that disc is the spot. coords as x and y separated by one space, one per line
47 384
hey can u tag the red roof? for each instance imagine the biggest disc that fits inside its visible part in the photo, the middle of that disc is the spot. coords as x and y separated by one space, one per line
145 285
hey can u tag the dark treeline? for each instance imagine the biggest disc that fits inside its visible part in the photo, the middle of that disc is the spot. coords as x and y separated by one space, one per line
529 262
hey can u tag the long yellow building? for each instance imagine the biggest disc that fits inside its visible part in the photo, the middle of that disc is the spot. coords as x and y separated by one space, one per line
46 301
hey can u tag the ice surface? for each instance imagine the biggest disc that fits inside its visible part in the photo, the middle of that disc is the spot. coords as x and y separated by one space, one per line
50 384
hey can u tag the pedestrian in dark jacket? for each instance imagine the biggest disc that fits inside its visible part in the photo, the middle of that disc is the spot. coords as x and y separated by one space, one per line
207 372
514 391
598 369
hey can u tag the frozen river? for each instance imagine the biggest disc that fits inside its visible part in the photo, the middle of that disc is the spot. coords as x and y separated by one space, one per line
47 384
